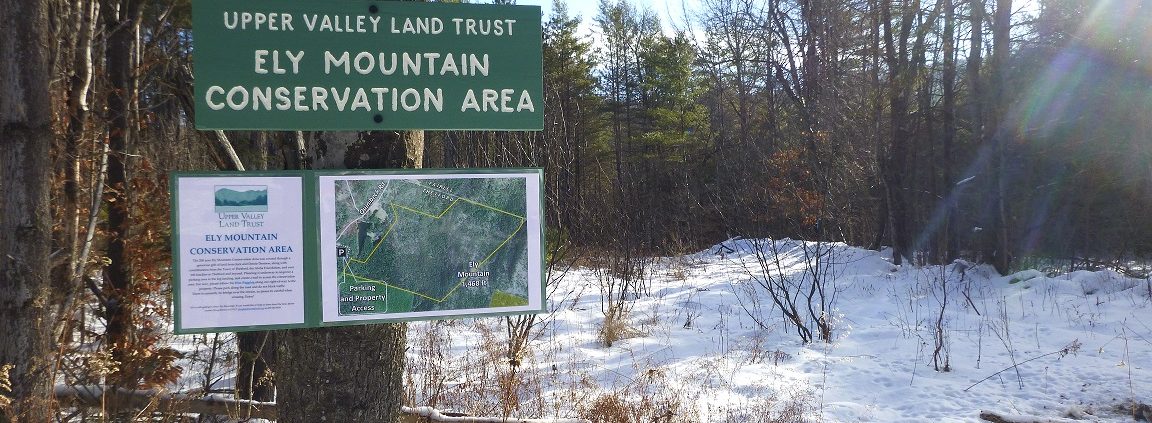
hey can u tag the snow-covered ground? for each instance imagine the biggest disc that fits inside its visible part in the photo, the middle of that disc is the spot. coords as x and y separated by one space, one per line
1030 346
1081 344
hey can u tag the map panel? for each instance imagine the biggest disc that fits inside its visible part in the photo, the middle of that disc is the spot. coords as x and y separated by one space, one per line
428 245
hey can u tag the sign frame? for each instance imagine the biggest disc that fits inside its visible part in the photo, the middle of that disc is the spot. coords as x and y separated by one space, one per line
313 282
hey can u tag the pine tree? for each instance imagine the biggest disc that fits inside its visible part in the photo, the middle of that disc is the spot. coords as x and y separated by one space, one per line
572 120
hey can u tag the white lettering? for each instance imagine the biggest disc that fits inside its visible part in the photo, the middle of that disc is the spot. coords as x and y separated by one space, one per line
417 26
449 65
411 64
477 65
361 100
259 60
415 96
469 102
490 100
379 97
361 66
295 60
495 27
232 102
298 99
435 99
525 102
331 61
505 97
283 102
341 101
258 21
215 89
234 22
490 97
262 97
319 98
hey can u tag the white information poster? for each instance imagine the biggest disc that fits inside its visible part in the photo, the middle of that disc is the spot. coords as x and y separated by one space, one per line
240 246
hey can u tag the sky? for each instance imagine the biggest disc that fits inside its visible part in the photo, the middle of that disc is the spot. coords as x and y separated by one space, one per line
669 11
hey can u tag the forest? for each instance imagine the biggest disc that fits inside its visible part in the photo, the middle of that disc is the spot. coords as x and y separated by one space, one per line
1005 132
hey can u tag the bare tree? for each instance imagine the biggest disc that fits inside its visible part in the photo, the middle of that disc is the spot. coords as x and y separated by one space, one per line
122 26
799 277
904 34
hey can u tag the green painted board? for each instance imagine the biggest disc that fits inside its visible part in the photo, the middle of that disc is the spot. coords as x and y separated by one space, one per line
366 65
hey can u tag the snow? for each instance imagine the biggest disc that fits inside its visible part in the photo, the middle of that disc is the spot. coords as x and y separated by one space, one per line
696 347
1081 343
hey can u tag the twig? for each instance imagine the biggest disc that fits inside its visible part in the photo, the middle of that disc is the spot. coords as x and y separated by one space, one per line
1068 349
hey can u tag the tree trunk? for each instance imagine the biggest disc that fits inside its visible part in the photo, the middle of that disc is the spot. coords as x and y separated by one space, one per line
876 125
68 164
122 19
894 165
257 352
1001 39
948 246
25 218
350 373
978 104
341 374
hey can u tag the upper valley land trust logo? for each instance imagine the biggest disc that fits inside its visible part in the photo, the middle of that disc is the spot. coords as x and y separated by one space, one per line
241 198
241 206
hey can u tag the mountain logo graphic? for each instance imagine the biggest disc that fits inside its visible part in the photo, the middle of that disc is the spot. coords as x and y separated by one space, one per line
241 198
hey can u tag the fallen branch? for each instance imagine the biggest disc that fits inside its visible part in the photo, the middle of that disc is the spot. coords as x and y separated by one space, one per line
429 414
98 395
1016 418
160 400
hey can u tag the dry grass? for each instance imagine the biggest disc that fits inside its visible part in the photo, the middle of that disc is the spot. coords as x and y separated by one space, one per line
651 397
5 387
615 328
479 376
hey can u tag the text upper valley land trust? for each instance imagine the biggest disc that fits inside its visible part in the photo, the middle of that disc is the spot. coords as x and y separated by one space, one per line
314 22
371 62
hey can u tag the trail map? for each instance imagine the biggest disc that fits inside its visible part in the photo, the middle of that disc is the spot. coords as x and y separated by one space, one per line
430 244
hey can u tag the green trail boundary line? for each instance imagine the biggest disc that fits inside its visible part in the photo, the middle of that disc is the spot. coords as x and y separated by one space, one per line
396 218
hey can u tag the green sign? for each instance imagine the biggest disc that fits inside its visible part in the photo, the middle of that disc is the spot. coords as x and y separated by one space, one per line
366 65
262 250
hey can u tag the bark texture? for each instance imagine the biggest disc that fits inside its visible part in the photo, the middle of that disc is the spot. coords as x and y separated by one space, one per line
341 374
25 227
